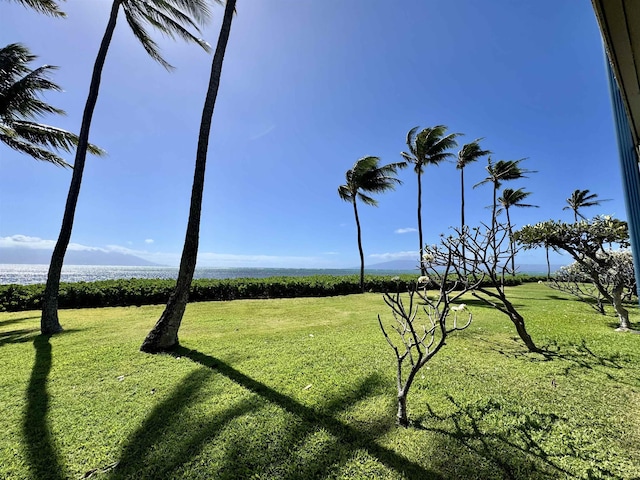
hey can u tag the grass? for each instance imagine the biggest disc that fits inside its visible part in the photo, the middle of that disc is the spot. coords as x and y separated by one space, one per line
305 388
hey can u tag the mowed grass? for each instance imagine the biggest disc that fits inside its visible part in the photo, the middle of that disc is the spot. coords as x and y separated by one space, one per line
305 388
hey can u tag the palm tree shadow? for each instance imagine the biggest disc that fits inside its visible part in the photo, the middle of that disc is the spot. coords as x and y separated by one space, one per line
21 335
140 457
11 321
347 438
41 454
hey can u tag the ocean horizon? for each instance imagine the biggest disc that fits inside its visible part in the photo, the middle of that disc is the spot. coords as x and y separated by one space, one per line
26 274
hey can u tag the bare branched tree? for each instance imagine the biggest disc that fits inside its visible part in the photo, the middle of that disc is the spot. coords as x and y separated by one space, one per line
487 256
422 326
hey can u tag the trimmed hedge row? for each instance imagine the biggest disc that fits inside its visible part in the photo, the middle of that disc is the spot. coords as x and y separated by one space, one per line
117 293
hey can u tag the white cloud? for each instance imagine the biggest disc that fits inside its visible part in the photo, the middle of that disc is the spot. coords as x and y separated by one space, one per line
330 253
406 230
36 243
395 256
149 241
205 259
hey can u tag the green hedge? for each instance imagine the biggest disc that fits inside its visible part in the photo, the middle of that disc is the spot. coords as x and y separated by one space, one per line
112 293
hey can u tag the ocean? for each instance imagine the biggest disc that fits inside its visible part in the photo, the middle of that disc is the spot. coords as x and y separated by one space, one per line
23 274
27 274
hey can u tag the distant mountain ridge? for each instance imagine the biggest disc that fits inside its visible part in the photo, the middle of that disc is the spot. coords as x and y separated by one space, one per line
31 256
411 266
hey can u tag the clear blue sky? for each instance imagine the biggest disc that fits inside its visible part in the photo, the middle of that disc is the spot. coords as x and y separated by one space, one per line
308 87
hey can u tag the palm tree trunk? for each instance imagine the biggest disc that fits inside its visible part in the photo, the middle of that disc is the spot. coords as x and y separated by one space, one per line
423 270
511 245
462 235
164 334
49 323
355 211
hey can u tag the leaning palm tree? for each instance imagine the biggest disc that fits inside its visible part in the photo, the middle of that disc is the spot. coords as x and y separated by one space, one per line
21 106
164 334
366 176
498 172
469 153
513 198
172 18
581 199
429 146
48 7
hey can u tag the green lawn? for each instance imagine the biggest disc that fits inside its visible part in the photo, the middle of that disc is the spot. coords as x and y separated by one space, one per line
305 388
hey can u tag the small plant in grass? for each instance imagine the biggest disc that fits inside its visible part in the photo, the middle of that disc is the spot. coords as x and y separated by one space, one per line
422 329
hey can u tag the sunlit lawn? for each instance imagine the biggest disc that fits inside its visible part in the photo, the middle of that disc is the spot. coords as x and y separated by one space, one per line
305 388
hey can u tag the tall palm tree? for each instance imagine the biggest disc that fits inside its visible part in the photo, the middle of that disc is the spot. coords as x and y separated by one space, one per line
367 176
469 153
513 198
48 7
498 172
164 334
172 18
21 105
581 199
429 146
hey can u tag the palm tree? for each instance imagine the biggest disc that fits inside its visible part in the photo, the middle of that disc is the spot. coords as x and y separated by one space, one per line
366 176
427 147
164 334
172 18
469 153
513 198
581 199
48 7
20 105
501 171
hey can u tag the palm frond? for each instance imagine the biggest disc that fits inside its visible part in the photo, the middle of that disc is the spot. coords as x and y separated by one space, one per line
51 137
151 47
48 7
368 176
470 152
172 18
32 150
171 23
367 200
20 89
345 193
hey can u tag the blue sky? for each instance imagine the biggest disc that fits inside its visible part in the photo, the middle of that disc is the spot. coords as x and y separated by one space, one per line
307 88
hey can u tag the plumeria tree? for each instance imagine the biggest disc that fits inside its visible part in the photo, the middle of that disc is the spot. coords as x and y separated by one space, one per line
590 245
575 280
484 263
422 322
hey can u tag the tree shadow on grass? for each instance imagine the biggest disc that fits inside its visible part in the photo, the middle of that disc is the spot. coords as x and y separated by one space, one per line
143 456
21 335
575 357
11 321
345 438
483 437
41 454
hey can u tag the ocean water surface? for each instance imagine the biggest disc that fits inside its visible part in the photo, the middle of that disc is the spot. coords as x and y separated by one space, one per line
27 274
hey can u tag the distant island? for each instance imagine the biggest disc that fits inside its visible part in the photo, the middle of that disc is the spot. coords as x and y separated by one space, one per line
32 256
411 266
